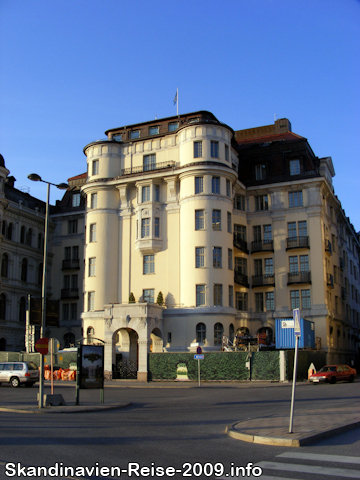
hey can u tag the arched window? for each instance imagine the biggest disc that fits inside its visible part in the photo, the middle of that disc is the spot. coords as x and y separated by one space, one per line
218 333
9 231
22 234
29 237
22 310
200 332
4 265
4 228
24 268
69 339
231 332
3 306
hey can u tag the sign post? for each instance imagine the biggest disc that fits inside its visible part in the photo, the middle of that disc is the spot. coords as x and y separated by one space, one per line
199 357
297 332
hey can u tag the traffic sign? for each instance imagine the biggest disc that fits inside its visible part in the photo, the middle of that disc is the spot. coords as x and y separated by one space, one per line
297 328
198 357
199 350
42 346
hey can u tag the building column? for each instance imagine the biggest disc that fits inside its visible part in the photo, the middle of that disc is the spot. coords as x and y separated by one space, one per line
142 374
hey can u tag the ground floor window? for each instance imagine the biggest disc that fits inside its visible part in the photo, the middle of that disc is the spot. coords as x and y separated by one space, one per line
200 332
218 333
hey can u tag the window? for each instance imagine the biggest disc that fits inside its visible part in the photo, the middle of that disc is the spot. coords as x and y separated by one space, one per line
91 301
294 167
257 233
145 227
239 202
199 219
267 233
227 153
117 137
259 302
148 264
29 237
4 265
24 268
69 339
73 311
92 232
269 299
92 267
157 227
294 299
230 259
215 185
149 295
228 188
135 134
261 203
200 295
22 310
240 231
292 232
157 193
66 311
218 333
260 172
229 222
197 149
145 194
199 257
231 296
199 184
200 332
95 167
305 299
149 162
75 252
93 200
295 199
217 295
258 267
214 146
22 234
241 301
293 263
241 265
76 199
216 219
3 306
153 130
173 126
217 254
304 263
269 267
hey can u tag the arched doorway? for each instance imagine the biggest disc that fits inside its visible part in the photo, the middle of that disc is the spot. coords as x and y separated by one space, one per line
265 336
156 345
125 353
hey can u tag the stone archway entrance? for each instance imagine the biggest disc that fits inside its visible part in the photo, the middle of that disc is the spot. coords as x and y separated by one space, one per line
126 354
156 345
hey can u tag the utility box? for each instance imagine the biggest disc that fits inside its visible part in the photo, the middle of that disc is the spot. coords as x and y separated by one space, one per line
285 337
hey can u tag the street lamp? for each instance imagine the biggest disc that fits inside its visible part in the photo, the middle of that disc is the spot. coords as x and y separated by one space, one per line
62 186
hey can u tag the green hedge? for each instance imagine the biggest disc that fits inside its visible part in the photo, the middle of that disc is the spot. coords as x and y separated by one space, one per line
265 366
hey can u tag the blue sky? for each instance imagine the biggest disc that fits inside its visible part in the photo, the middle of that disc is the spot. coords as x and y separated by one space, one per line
72 69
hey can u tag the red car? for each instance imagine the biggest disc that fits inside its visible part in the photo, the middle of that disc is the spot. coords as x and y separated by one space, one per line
333 374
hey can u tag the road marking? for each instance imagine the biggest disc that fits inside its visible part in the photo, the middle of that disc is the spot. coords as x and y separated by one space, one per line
288 467
321 457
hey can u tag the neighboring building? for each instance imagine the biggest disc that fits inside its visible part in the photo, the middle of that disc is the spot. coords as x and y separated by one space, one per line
233 229
21 251
68 217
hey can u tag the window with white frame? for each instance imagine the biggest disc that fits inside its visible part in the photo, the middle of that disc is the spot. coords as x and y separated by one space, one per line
199 185
215 185
217 257
92 263
199 257
305 299
198 149
148 264
294 299
145 227
91 301
95 167
93 200
76 199
269 301
261 203
216 219
218 292
145 193
149 162
199 219
296 199
294 167
92 232
214 147
149 295
218 333
200 295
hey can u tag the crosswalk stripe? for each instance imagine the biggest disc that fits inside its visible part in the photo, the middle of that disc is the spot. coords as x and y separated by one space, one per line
321 457
336 472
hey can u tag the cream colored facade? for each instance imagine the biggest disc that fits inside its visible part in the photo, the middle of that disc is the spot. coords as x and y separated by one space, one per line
162 216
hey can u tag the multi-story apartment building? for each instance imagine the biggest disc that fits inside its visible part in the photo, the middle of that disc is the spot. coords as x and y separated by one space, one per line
68 218
21 251
232 230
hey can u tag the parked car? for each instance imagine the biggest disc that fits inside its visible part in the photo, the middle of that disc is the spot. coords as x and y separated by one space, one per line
333 374
17 373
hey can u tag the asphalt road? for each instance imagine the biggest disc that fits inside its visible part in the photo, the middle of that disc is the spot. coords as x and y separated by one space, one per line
174 427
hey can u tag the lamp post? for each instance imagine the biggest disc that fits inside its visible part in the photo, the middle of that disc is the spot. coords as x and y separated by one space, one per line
62 186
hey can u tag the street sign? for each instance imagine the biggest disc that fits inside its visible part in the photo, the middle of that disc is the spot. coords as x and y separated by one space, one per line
198 357
297 328
42 346
199 350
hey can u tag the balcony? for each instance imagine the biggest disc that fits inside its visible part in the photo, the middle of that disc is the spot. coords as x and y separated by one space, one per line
71 264
328 248
299 277
70 293
329 280
241 279
262 246
297 242
148 168
263 281
240 243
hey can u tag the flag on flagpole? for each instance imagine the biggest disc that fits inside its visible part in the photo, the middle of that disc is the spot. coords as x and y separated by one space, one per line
175 99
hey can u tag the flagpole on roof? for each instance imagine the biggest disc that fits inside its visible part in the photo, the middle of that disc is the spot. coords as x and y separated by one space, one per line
176 100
